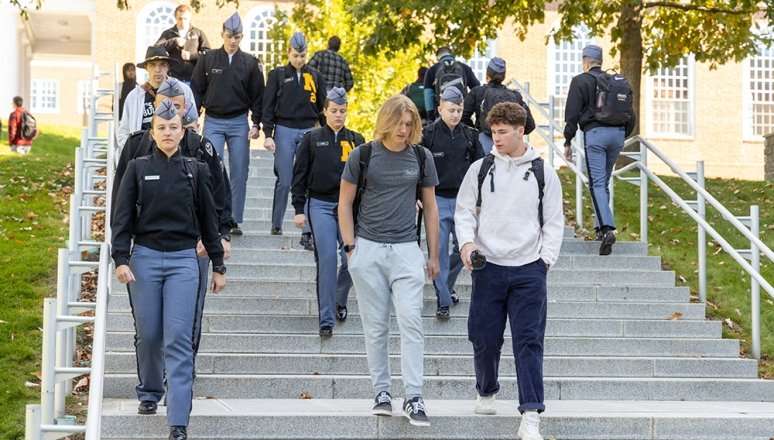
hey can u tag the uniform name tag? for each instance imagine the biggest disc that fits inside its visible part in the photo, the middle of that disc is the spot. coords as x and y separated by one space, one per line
438 154
152 177
217 71
287 80
323 144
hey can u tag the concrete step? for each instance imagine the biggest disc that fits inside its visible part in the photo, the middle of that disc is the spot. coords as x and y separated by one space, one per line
221 419
225 386
452 345
594 262
450 365
279 305
456 326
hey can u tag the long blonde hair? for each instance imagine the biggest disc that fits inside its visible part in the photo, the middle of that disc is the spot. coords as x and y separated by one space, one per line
390 114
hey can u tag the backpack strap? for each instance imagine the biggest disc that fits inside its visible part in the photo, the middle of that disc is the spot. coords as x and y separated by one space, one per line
281 83
471 146
419 153
140 164
365 159
487 167
539 172
191 167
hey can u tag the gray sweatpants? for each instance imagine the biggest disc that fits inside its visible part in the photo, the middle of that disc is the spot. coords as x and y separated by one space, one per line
381 271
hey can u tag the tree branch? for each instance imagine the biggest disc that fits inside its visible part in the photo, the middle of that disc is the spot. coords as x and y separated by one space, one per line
684 7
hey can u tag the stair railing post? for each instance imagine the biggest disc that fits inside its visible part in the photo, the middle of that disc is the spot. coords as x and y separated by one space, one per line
755 289
643 193
702 238
551 133
48 371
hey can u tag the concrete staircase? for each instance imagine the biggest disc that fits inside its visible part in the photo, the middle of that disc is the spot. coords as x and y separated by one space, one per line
628 356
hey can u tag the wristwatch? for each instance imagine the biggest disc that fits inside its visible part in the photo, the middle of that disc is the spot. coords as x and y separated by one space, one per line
226 237
349 248
219 269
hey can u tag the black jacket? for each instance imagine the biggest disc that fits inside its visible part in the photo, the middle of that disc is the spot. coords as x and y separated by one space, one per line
291 104
319 163
195 42
140 144
577 111
165 216
473 106
453 152
228 90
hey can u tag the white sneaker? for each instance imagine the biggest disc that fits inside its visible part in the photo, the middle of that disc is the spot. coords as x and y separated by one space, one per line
486 405
529 429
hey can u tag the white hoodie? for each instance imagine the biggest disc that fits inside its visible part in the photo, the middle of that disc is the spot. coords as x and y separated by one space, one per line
508 228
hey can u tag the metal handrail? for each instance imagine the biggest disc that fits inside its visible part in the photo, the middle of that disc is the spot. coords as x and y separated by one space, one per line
94 415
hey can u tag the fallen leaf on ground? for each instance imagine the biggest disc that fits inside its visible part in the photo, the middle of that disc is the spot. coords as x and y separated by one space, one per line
675 316
306 395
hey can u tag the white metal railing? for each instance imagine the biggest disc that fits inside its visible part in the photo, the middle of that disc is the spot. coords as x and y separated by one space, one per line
748 226
62 315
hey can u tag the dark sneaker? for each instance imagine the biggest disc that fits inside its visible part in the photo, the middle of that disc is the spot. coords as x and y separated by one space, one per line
414 410
341 313
307 242
607 243
147 407
236 230
178 433
276 231
455 298
598 235
442 312
382 404
326 331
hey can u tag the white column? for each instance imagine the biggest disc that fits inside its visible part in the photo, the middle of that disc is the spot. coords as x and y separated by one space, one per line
11 77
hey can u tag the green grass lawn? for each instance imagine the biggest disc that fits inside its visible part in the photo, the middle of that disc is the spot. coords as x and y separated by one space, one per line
34 200
673 236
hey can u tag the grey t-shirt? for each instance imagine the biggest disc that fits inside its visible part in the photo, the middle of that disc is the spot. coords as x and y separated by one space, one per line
388 207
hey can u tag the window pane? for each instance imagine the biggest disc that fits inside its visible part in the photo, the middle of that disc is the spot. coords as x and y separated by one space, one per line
568 57
671 103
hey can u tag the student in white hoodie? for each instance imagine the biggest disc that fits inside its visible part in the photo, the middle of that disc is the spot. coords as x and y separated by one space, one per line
519 251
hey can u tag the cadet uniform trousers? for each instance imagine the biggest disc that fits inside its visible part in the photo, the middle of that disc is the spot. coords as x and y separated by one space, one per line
331 289
451 264
380 272
286 141
163 301
518 294
603 145
234 133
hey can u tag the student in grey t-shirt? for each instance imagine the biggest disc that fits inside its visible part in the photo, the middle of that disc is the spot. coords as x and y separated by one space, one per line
384 260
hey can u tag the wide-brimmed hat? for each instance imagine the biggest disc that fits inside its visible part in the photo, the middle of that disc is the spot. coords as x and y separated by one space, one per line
156 53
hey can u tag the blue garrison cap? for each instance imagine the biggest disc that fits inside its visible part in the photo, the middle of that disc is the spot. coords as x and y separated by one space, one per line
337 95
496 65
233 24
452 94
593 51
190 115
171 88
298 42
166 110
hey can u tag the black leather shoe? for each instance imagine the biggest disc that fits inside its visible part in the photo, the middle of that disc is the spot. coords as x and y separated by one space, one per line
326 331
341 313
236 230
608 238
147 407
276 231
307 242
178 433
442 312
455 298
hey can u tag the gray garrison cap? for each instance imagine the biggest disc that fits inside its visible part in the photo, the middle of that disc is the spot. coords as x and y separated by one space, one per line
452 94
166 110
337 95
593 51
190 115
298 42
233 24
496 65
171 88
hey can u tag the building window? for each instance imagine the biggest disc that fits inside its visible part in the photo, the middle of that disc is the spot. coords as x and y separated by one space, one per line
153 19
44 96
671 93
84 97
565 60
478 62
759 94
259 21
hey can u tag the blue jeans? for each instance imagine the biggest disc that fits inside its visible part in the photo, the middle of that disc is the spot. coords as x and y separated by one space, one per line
451 264
486 142
163 301
518 294
234 133
603 145
286 141
331 290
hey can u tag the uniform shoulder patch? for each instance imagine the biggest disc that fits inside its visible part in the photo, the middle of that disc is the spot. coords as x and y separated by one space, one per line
208 148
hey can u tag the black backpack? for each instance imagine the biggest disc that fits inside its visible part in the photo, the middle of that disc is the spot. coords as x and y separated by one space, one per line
416 92
29 126
536 169
450 74
613 102
492 96
365 159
